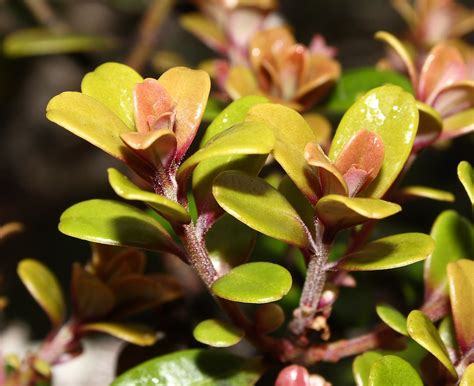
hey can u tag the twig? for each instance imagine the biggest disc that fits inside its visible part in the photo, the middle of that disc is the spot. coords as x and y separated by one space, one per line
45 15
148 32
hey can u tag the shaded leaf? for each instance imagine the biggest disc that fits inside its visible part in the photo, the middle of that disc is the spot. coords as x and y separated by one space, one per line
194 368
205 29
429 127
258 282
126 189
448 334
389 252
415 191
129 332
338 211
390 112
362 365
114 223
461 294
393 371
217 333
112 84
44 287
260 206
269 318
423 331
466 176
393 318
458 124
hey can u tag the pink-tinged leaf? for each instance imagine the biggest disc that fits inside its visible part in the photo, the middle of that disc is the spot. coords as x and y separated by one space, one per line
461 293
205 30
455 98
292 67
319 46
189 89
443 67
242 25
360 160
330 178
293 375
458 124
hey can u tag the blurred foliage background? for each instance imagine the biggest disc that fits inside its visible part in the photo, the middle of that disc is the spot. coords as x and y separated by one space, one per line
44 169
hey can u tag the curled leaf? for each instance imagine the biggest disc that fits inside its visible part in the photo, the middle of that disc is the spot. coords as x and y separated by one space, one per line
129 332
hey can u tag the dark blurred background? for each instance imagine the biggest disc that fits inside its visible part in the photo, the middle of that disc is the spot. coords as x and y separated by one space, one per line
44 169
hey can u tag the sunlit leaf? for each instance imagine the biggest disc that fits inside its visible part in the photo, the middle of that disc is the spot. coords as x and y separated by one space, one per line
194 368
393 318
112 84
393 371
415 191
338 211
260 206
129 332
468 376
217 333
258 282
44 287
35 41
466 176
389 252
390 112
126 189
423 331
461 294
115 223
454 238
362 365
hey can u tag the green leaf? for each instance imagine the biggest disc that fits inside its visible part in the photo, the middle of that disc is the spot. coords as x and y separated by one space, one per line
217 333
244 138
447 333
126 189
390 112
112 84
430 125
393 318
393 371
44 287
461 294
89 119
257 283
129 332
337 211
228 252
454 238
423 331
466 176
194 368
362 365
415 191
36 41
468 376
213 108
292 134
260 206
389 252
356 82
115 223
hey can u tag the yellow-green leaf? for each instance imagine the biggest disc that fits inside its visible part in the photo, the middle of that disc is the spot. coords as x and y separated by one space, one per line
466 176
126 189
389 252
337 211
392 318
129 332
430 125
390 112
423 331
260 206
205 29
44 287
217 333
362 365
415 191
112 84
468 376
391 370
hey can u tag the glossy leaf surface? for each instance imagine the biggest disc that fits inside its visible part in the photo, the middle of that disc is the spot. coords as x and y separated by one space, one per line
126 189
423 331
393 371
44 287
114 223
194 368
258 282
130 332
217 333
389 252
393 318
466 176
260 206
390 112
362 365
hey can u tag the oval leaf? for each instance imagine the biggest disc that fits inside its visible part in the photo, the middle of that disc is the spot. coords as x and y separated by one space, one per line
258 283
392 318
217 333
394 371
194 368
44 287
337 211
362 365
260 206
269 318
126 189
390 112
466 176
468 376
423 331
114 223
389 252
129 332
